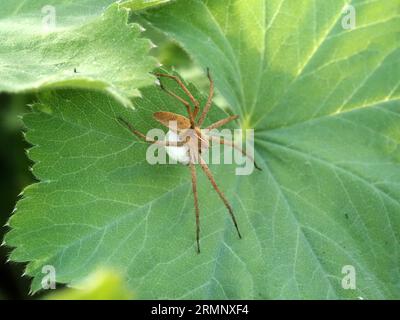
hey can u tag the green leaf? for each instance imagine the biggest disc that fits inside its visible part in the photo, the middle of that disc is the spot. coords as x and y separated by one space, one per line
324 103
137 5
100 204
52 44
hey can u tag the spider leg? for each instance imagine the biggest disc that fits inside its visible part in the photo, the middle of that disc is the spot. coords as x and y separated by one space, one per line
209 100
186 90
196 203
222 122
183 101
143 137
227 142
210 177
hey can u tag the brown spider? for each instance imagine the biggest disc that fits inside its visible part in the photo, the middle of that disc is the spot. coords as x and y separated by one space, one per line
186 141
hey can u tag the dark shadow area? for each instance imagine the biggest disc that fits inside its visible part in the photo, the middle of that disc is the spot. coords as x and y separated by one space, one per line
14 176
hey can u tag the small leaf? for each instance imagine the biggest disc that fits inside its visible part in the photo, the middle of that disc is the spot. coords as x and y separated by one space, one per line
101 285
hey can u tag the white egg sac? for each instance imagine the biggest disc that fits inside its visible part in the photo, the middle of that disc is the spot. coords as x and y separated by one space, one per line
180 154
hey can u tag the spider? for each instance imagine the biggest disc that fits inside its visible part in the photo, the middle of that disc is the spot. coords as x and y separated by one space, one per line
186 140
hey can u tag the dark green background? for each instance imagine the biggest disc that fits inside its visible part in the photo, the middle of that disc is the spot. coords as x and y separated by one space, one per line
14 175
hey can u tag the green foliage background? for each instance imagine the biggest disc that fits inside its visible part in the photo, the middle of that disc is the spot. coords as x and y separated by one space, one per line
324 103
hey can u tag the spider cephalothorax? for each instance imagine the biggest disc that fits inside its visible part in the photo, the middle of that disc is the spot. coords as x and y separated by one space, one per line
186 140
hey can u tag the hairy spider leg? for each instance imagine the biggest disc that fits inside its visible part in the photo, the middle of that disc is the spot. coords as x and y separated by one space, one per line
193 115
185 103
222 122
142 136
209 100
230 143
196 203
210 177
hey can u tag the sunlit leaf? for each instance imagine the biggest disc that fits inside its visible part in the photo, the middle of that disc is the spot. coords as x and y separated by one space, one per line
100 285
72 43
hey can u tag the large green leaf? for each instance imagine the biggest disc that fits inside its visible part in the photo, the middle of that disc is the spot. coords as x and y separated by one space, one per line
56 44
99 203
324 102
